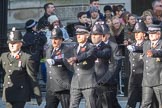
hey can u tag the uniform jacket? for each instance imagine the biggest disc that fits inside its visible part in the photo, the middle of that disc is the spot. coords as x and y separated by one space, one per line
84 73
152 75
58 75
115 56
20 77
101 63
136 63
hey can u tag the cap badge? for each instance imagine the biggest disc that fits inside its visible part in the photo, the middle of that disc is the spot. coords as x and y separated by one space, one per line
11 36
54 32
137 26
94 28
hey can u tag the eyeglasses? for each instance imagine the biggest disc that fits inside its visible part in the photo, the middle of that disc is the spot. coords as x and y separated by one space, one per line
116 23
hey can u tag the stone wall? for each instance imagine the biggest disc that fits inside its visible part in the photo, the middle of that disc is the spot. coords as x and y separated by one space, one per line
19 11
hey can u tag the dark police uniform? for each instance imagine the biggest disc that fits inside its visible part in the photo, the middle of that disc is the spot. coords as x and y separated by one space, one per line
112 77
58 75
103 54
83 80
136 74
19 77
113 81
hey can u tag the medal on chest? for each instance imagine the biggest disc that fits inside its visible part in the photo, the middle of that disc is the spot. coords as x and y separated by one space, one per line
59 55
19 63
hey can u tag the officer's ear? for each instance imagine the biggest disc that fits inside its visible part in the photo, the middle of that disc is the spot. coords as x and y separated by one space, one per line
87 35
21 43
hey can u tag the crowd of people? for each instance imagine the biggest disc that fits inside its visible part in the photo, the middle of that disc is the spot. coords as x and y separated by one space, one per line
83 60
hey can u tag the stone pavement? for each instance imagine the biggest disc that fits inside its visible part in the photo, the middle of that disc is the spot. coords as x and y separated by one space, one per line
32 104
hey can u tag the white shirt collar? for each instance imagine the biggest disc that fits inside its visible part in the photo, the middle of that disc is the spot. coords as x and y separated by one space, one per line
106 42
14 54
81 45
154 42
97 44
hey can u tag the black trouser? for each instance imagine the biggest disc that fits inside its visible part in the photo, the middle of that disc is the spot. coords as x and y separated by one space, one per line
53 99
15 104
148 94
107 97
77 94
134 96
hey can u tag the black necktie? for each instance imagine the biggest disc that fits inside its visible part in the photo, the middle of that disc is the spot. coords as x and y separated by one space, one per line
152 45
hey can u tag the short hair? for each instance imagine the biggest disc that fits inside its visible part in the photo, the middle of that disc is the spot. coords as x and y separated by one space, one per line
118 8
91 1
46 5
107 7
154 2
133 15
115 17
80 14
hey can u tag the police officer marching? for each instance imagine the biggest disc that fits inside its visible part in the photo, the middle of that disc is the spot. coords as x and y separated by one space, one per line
103 54
58 75
136 74
83 81
152 79
112 77
20 74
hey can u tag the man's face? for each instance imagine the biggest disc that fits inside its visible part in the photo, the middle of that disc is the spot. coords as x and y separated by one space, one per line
94 15
108 13
83 19
96 38
56 42
158 8
153 36
82 38
14 46
51 9
139 36
132 20
95 3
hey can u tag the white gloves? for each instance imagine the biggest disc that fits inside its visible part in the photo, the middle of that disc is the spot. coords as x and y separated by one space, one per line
50 62
131 48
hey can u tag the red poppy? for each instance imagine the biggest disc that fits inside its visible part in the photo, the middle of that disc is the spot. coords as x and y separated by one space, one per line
129 33
58 52
83 49
17 56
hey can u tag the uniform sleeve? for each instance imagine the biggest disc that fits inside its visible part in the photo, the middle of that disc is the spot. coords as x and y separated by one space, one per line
157 53
104 54
90 53
138 49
